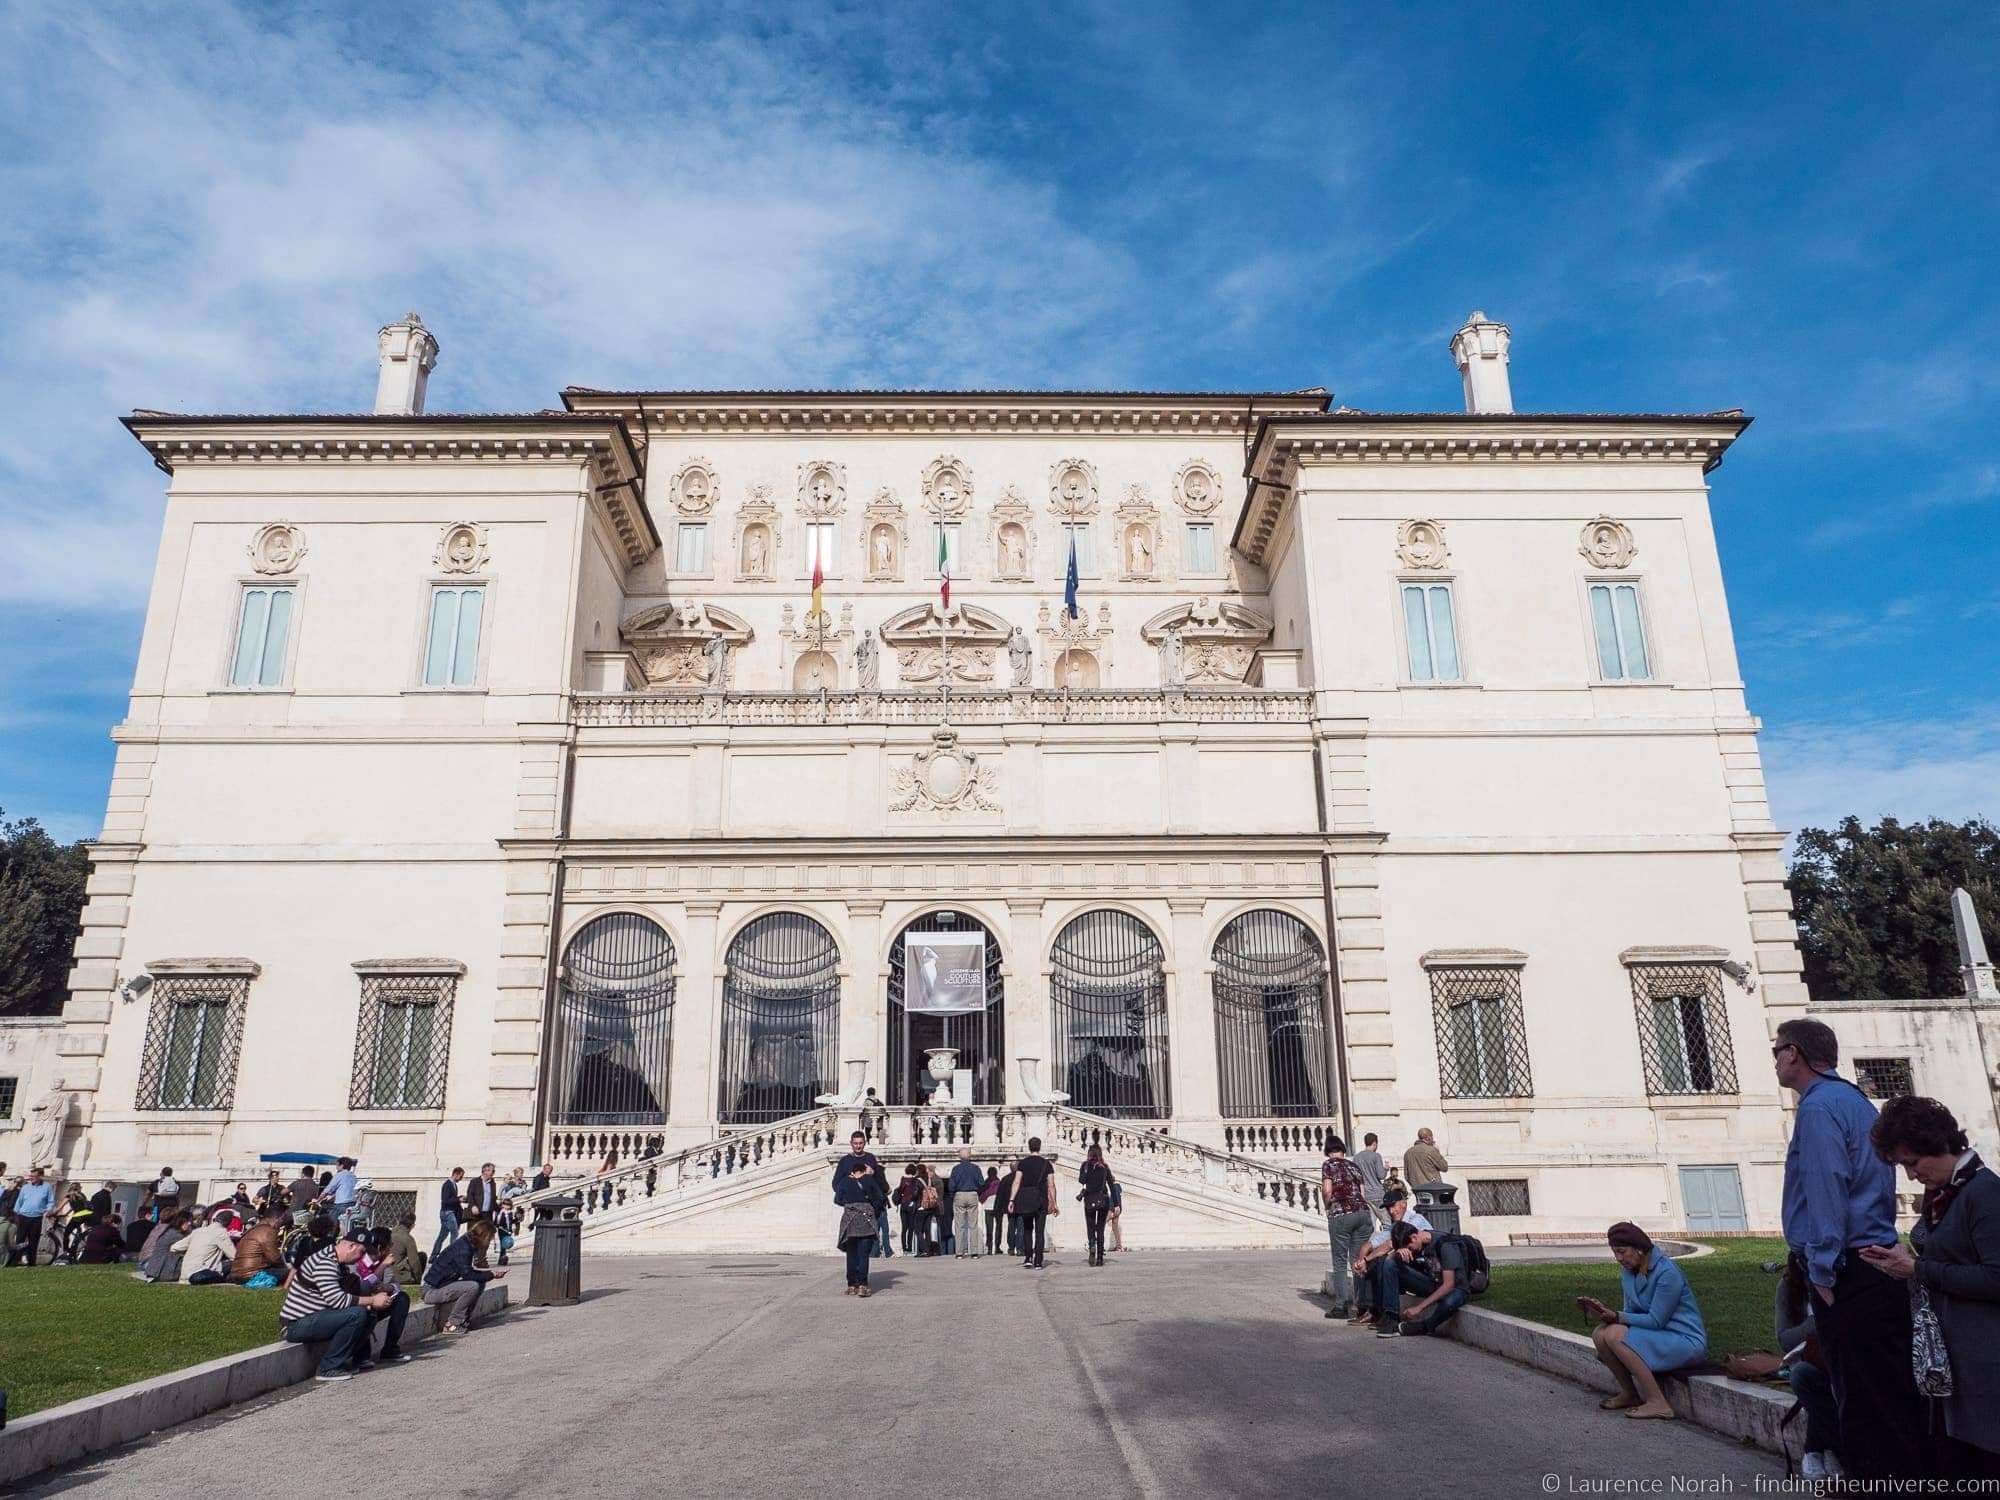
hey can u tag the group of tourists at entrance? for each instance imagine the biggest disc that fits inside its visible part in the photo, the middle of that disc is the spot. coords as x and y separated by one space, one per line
972 1211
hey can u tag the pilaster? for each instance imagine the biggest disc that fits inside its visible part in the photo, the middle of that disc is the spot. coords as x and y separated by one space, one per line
1359 948
1197 1078
697 1026
862 1032
1027 975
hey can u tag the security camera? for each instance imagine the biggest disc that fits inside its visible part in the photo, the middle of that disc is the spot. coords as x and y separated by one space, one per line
136 986
1741 974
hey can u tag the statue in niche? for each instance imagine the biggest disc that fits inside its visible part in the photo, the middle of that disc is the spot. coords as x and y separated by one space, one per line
1020 658
1173 659
885 550
867 664
1075 671
717 653
1011 560
756 551
1139 549
816 672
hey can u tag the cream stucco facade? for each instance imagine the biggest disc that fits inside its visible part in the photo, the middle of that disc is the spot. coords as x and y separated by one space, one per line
1523 870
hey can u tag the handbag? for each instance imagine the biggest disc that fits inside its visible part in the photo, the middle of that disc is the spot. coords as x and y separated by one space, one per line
1930 1361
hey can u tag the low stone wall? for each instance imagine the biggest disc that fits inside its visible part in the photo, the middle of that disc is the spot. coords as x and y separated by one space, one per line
63 1434
1733 1408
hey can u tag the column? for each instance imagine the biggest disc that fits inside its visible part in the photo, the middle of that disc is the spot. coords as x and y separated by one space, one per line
1028 1033
863 1030
1190 1020
697 1024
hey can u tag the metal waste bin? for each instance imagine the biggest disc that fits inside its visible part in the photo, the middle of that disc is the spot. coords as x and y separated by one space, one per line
1436 1201
556 1277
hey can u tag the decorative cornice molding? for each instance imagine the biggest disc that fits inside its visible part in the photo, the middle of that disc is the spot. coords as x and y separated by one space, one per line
450 966
248 967
1474 958
669 414
1674 953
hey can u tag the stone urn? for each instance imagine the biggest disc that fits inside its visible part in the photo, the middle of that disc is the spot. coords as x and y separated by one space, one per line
942 1061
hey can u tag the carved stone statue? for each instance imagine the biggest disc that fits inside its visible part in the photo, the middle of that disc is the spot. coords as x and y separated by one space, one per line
717 652
1173 660
1140 551
46 1129
885 550
1010 551
867 663
754 551
1020 658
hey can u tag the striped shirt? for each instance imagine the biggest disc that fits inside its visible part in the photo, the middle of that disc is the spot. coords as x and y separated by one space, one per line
315 1288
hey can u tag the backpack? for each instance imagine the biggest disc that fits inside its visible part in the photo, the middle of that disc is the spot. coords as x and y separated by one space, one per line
1478 1269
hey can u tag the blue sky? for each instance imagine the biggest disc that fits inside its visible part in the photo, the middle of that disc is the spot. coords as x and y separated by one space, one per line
1785 208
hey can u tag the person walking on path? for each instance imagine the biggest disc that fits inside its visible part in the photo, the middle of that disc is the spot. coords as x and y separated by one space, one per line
451 1208
855 1192
1343 1194
1840 1200
1956 1261
455 1278
1032 1200
1423 1163
1003 1205
1097 1180
1374 1175
909 1192
989 1200
1659 1328
964 1185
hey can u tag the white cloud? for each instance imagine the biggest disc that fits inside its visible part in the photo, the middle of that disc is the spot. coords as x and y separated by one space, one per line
1912 769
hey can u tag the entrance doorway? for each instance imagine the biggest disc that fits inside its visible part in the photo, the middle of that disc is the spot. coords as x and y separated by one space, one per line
979 1036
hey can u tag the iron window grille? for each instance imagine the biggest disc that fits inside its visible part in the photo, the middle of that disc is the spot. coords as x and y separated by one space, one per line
980 1038
1108 990
1884 1077
194 1034
1498 1197
402 1041
1683 1028
1482 1033
391 1204
613 1046
1269 987
780 1020
9 1088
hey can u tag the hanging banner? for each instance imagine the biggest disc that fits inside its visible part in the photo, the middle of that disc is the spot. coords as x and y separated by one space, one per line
944 973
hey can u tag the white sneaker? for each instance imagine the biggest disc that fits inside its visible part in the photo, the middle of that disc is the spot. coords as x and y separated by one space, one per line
1812 1466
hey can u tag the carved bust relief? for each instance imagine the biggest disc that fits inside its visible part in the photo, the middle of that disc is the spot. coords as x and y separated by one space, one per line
277 549
947 488
461 549
1198 488
694 490
1073 489
1608 544
822 490
1420 545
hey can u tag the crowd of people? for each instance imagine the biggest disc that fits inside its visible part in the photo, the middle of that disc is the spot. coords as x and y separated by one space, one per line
969 1212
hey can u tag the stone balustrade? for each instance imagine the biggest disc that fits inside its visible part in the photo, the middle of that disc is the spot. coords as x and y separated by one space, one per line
1227 705
1276 1137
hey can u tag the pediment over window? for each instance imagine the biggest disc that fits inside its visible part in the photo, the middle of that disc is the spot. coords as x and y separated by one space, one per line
684 620
925 625
1209 620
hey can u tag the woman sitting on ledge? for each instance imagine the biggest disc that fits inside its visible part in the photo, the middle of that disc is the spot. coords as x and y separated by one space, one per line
1658 1329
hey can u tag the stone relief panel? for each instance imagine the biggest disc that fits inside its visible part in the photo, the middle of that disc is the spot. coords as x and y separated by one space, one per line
1608 544
815 647
1078 651
947 488
946 782
695 491
461 548
1198 488
1073 489
1012 525
885 537
759 534
1136 523
1208 642
1420 545
277 549
964 641
822 490
685 644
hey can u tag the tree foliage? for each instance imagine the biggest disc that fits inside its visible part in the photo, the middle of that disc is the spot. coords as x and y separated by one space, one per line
1874 905
41 899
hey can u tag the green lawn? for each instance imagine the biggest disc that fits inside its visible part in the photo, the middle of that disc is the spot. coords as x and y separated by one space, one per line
72 1331
1734 1293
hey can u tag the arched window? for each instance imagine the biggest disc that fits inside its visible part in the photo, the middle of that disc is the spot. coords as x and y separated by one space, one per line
1270 1018
780 1019
1108 989
979 1036
614 1024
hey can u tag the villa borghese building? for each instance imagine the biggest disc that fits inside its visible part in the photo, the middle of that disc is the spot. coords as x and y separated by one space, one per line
493 790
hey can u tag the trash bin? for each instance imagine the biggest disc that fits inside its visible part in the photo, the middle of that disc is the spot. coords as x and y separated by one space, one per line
556 1277
1436 1201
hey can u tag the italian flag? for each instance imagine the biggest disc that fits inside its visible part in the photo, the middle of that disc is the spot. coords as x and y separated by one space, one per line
944 569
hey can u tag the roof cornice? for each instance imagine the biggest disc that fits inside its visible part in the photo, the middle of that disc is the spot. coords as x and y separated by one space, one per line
1283 444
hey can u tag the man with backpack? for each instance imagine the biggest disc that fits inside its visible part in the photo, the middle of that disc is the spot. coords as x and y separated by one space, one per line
1459 1263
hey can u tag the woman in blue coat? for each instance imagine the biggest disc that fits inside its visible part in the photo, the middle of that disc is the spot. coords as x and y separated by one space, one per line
1658 1329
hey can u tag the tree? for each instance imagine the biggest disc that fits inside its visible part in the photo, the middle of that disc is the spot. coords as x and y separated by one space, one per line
1874 905
41 900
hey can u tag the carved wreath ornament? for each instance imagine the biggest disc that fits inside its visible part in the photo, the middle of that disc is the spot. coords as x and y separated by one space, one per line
945 779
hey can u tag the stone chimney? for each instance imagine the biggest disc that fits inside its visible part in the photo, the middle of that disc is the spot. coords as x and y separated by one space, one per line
408 355
1480 350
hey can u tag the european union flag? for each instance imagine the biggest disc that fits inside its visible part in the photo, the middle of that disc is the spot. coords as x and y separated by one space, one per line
1069 580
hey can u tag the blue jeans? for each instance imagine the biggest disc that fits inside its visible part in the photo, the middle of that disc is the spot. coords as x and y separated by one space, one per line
1390 1277
447 1232
1814 1390
882 1246
342 1328
857 1260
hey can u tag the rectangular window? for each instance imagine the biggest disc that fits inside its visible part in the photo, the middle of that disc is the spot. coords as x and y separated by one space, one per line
819 546
9 1088
1200 548
1683 1029
1621 636
192 1037
948 530
1079 533
402 1040
1878 1077
261 633
691 547
1482 1035
1498 1197
452 657
1431 632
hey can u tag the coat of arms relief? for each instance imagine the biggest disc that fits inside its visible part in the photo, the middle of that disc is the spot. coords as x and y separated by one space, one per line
945 781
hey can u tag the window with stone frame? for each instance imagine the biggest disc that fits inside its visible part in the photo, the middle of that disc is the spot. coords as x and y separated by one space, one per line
402 1038
1683 1028
1497 1197
1482 1033
194 1034
9 1091
1885 1077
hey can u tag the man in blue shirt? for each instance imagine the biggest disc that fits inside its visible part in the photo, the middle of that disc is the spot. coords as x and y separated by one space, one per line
1840 1198
341 1190
36 1197
962 1190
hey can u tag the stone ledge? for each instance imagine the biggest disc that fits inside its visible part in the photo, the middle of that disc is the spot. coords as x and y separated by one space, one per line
64 1434
1731 1408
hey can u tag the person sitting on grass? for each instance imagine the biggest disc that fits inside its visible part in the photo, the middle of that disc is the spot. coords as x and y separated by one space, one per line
406 1261
319 1305
205 1254
261 1248
1658 1329
104 1242
157 1254
455 1278
1452 1289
